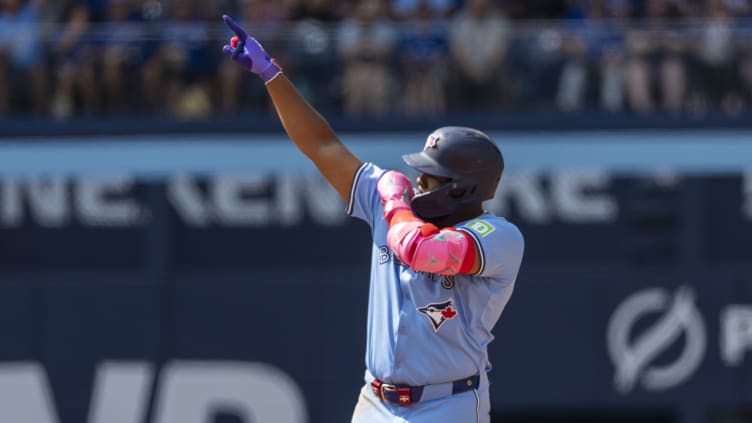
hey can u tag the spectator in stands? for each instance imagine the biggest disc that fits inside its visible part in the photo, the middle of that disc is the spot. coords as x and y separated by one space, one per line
573 79
440 9
743 49
592 45
664 61
715 81
311 53
23 71
366 42
478 38
424 58
181 70
610 55
656 61
72 59
638 77
268 19
120 54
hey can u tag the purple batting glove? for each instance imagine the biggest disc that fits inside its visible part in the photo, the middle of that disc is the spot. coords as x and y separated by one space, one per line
249 53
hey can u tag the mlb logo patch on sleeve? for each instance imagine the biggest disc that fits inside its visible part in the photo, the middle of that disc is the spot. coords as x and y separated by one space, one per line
482 227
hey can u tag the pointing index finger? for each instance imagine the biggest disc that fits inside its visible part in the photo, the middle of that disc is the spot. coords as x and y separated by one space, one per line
235 27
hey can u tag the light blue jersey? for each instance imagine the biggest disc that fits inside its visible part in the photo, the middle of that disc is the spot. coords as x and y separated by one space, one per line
426 329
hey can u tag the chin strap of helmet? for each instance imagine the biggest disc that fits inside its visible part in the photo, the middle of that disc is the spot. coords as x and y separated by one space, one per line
419 244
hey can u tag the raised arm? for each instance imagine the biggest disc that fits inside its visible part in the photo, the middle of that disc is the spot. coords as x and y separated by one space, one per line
310 132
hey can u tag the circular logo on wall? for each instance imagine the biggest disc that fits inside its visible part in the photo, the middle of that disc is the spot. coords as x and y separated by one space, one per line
634 354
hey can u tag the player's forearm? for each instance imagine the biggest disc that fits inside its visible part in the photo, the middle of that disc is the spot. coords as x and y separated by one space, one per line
419 244
303 124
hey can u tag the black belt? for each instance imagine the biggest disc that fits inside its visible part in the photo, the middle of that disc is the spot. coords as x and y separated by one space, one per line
406 395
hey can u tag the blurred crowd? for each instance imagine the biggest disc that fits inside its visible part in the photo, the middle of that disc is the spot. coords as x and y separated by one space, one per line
65 58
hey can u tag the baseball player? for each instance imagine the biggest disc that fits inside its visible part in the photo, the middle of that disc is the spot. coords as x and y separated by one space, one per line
442 268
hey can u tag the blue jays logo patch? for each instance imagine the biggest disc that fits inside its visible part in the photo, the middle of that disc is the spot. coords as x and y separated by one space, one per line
438 313
431 142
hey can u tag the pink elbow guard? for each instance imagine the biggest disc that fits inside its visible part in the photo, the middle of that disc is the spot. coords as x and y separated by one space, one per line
425 248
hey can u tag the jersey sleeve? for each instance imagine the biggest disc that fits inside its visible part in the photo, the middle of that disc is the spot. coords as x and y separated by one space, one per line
500 246
364 200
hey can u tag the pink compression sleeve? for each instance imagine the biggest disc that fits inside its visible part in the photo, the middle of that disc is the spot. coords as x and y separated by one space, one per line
425 248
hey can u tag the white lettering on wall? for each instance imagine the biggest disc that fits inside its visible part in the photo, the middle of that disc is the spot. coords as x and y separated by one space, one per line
241 200
185 196
287 202
11 208
322 201
572 196
48 201
255 200
104 201
45 197
736 333
187 392
580 196
191 392
525 190
54 201
25 394
121 393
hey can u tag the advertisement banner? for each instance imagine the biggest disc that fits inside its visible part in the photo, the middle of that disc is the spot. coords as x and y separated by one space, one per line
230 294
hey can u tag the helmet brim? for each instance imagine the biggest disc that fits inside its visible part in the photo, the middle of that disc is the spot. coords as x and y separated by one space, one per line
422 162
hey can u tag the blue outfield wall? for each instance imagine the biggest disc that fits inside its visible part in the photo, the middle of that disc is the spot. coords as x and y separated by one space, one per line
212 277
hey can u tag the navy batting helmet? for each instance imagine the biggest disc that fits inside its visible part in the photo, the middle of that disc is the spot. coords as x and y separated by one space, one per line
468 157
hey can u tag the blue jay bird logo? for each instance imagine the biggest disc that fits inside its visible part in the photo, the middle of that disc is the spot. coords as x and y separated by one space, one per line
438 313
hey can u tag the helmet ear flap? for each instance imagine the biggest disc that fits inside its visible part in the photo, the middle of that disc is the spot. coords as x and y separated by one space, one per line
457 193
438 202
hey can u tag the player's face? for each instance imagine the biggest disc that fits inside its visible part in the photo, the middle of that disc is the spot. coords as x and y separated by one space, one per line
427 183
